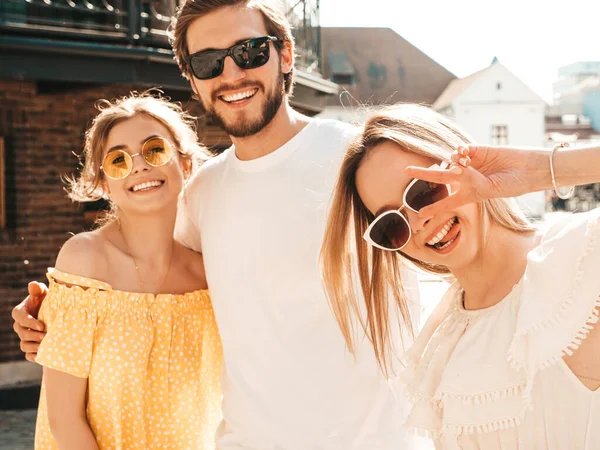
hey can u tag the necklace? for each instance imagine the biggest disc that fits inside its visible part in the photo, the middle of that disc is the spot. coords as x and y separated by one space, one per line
137 267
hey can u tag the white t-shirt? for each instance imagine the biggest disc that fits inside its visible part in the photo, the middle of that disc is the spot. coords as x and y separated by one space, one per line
288 383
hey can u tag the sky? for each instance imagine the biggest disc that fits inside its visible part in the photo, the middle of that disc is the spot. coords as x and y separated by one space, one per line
532 38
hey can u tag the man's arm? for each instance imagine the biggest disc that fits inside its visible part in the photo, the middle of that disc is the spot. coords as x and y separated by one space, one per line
30 330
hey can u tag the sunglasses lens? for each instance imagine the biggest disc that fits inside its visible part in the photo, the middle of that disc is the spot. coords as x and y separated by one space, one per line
207 65
157 152
391 231
424 193
117 164
251 54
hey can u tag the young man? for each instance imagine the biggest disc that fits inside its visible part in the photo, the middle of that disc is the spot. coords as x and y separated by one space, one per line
257 213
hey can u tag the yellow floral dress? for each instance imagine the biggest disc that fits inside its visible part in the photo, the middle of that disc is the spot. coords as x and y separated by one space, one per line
153 363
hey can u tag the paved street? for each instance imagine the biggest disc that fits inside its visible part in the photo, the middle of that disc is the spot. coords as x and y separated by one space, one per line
16 429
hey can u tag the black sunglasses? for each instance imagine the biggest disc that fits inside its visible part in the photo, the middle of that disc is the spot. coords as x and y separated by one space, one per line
249 54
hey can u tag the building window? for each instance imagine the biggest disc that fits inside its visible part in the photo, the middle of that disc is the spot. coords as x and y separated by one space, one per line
2 186
499 135
343 78
498 86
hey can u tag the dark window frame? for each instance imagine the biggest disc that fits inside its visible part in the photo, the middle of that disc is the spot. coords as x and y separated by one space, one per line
499 134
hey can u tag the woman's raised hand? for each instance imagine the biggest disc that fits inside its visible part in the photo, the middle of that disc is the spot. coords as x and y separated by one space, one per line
478 173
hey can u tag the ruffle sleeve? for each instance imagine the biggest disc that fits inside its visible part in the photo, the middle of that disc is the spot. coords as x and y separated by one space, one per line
70 313
561 294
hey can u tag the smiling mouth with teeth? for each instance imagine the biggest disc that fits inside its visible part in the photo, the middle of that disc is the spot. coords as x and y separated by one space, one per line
146 186
240 96
437 241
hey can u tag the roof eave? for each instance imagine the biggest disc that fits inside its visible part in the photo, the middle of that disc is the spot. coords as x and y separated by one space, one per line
315 82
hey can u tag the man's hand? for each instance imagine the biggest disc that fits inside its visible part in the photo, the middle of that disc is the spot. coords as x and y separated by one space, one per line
483 172
30 330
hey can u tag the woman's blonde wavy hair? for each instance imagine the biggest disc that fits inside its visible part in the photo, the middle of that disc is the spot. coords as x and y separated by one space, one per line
416 129
89 185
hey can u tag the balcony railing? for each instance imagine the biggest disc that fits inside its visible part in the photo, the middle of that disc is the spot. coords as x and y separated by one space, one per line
136 22
133 22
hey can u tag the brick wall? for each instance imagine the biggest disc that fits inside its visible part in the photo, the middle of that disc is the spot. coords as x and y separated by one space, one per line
41 131
42 128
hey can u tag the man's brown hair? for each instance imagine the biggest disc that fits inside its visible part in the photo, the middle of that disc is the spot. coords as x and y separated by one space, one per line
275 21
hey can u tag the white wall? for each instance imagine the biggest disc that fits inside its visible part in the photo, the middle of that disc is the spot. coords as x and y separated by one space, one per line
482 105
525 122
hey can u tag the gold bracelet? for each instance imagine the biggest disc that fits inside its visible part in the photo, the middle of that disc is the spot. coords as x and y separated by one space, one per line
571 188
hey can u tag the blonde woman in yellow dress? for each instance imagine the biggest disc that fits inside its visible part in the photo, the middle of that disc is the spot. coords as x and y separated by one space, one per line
132 355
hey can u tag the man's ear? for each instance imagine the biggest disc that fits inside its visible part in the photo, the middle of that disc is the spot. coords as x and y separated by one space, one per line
286 57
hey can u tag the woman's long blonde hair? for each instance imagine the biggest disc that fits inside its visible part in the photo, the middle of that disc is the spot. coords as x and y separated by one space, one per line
415 129
89 184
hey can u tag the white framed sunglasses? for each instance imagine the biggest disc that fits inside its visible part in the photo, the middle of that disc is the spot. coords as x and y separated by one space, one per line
390 230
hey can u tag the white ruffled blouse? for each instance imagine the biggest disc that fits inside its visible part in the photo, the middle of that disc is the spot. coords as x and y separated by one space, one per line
495 379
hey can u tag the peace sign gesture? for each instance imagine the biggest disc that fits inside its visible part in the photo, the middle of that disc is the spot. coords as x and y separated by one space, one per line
478 173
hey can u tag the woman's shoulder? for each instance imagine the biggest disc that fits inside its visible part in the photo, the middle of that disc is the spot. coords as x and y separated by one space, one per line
84 255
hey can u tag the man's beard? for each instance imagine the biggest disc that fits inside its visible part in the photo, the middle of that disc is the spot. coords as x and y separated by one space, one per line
245 128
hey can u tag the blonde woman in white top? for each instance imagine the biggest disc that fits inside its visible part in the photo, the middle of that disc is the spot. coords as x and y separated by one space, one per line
509 358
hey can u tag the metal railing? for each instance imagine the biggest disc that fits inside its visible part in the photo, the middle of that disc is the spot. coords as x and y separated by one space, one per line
137 22
134 22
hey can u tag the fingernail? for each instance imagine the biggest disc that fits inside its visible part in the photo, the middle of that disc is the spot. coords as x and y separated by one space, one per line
457 170
463 161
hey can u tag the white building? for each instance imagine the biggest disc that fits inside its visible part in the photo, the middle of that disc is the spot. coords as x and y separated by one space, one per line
496 107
